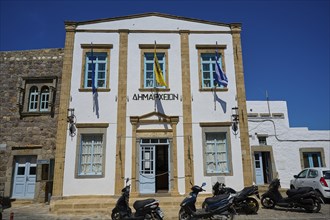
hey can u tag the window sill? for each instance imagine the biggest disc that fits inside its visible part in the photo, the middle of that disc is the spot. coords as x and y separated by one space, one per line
213 89
219 174
154 89
89 176
27 114
98 90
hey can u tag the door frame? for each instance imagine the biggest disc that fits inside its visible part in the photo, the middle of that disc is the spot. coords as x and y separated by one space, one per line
266 148
154 145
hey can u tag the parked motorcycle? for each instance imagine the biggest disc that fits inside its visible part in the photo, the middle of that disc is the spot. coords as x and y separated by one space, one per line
243 202
305 197
219 206
145 209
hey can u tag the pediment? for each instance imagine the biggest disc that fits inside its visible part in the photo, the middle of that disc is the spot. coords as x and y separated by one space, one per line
154 118
151 21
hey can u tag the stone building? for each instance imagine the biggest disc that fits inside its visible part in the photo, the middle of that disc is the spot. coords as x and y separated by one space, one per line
29 102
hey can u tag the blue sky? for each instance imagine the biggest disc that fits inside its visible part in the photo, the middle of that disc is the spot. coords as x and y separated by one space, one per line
285 43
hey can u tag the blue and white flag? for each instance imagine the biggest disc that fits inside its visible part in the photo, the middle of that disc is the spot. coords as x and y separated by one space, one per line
219 76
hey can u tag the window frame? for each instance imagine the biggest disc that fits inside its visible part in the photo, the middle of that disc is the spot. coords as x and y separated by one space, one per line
24 96
210 49
222 128
303 151
97 48
90 129
150 48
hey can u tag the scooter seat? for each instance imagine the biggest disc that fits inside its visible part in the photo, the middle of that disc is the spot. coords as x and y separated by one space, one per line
141 203
216 199
302 190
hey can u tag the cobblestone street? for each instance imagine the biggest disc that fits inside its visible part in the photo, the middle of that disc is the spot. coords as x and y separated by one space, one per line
41 212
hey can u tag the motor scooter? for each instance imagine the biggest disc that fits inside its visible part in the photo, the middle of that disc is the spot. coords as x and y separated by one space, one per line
243 202
304 197
145 209
220 206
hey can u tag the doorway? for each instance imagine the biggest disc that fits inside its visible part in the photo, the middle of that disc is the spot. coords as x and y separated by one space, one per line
154 166
262 167
25 170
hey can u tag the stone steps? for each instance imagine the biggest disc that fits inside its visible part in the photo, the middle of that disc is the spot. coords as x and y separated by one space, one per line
93 204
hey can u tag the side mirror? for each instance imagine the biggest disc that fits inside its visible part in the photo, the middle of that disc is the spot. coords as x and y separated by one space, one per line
203 184
295 176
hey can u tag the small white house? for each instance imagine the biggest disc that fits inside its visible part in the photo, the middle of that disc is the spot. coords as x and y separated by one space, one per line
162 137
279 150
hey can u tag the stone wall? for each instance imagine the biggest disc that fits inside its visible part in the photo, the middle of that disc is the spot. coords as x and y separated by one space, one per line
35 134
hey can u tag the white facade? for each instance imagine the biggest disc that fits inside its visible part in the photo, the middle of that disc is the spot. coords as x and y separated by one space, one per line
269 121
145 30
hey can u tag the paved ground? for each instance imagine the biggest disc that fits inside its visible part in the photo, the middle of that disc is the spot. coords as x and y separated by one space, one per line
40 212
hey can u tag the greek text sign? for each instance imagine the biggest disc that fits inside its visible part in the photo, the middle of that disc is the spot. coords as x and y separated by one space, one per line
156 96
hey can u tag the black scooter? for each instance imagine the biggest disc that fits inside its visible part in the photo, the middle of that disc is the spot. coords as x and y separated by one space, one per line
304 197
219 206
145 209
243 202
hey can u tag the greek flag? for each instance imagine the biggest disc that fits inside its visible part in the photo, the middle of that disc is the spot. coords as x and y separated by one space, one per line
219 76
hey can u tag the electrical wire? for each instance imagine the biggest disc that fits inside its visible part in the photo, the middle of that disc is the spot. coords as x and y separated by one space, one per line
283 140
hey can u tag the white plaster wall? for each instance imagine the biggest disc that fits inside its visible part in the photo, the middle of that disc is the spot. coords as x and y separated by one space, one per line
204 110
289 140
83 105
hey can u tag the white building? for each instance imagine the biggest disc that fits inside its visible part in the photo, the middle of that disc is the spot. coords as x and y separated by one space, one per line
161 137
280 150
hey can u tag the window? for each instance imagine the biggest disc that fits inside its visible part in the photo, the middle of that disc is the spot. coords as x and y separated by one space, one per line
149 75
148 79
312 173
91 154
262 140
312 159
100 63
207 64
91 147
217 152
36 96
303 174
33 99
208 70
44 98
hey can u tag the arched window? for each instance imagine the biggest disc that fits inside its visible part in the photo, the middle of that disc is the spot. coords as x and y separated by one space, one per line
33 99
44 99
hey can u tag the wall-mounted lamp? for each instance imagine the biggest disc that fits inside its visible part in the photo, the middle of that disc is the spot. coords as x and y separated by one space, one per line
72 122
234 119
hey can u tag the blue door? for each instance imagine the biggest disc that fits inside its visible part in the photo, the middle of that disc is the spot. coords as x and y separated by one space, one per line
258 168
24 180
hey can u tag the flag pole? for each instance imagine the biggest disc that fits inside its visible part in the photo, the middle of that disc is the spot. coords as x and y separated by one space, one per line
155 104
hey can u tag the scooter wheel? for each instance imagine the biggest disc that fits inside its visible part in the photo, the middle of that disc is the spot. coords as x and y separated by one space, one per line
252 206
267 202
183 215
115 215
316 206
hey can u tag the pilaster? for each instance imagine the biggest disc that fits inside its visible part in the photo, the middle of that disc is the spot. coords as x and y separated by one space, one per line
121 112
187 113
241 102
63 110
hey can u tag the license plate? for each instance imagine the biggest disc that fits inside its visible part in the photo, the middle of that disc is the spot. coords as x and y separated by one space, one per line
160 213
